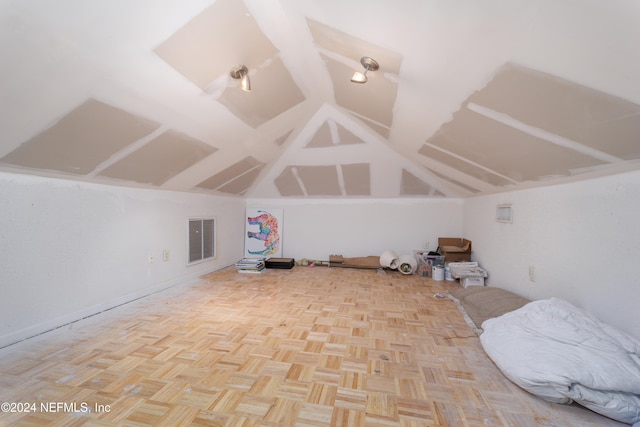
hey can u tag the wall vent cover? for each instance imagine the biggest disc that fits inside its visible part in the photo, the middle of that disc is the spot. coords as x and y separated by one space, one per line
504 213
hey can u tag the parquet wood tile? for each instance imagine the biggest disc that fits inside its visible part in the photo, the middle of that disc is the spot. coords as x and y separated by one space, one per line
303 347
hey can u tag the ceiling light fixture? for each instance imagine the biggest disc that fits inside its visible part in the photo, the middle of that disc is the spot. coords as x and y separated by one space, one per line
241 72
368 64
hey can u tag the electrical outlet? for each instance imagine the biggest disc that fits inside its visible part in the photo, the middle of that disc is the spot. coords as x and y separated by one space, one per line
150 260
532 273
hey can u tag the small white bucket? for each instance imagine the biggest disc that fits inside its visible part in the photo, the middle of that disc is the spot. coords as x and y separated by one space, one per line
437 272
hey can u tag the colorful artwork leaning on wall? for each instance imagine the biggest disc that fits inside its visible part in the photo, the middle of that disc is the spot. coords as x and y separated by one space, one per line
264 230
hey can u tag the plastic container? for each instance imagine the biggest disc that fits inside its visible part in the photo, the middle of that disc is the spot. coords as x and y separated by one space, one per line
447 274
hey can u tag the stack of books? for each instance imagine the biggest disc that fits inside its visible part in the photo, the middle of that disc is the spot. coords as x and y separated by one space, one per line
250 265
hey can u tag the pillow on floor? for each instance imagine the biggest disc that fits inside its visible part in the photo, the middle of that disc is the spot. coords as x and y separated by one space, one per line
479 303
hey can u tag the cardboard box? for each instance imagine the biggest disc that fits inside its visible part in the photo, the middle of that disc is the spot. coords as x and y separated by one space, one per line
454 249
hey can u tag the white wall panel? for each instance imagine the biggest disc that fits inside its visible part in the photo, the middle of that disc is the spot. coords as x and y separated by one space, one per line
582 239
69 249
354 228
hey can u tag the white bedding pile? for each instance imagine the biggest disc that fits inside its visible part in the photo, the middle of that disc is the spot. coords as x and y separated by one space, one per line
562 354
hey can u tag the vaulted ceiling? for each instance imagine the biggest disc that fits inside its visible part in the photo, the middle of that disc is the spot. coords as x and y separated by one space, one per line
472 97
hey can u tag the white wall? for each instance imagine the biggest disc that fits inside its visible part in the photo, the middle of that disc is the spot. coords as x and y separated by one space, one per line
582 238
353 228
70 249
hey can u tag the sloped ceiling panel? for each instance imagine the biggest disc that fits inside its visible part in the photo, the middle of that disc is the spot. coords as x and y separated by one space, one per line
241 184
273 92
334 180
331 134
108 91
160 159
287 183
347 46
221 37
578 113
234 179
322 138
347 137
335 155
357 179
214 42
81 140
455 182
320 180
528 126
281 140
411 185
464 166
505 150
380 129
374 100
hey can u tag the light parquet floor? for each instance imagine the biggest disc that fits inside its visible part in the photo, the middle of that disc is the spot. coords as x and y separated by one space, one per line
303 347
